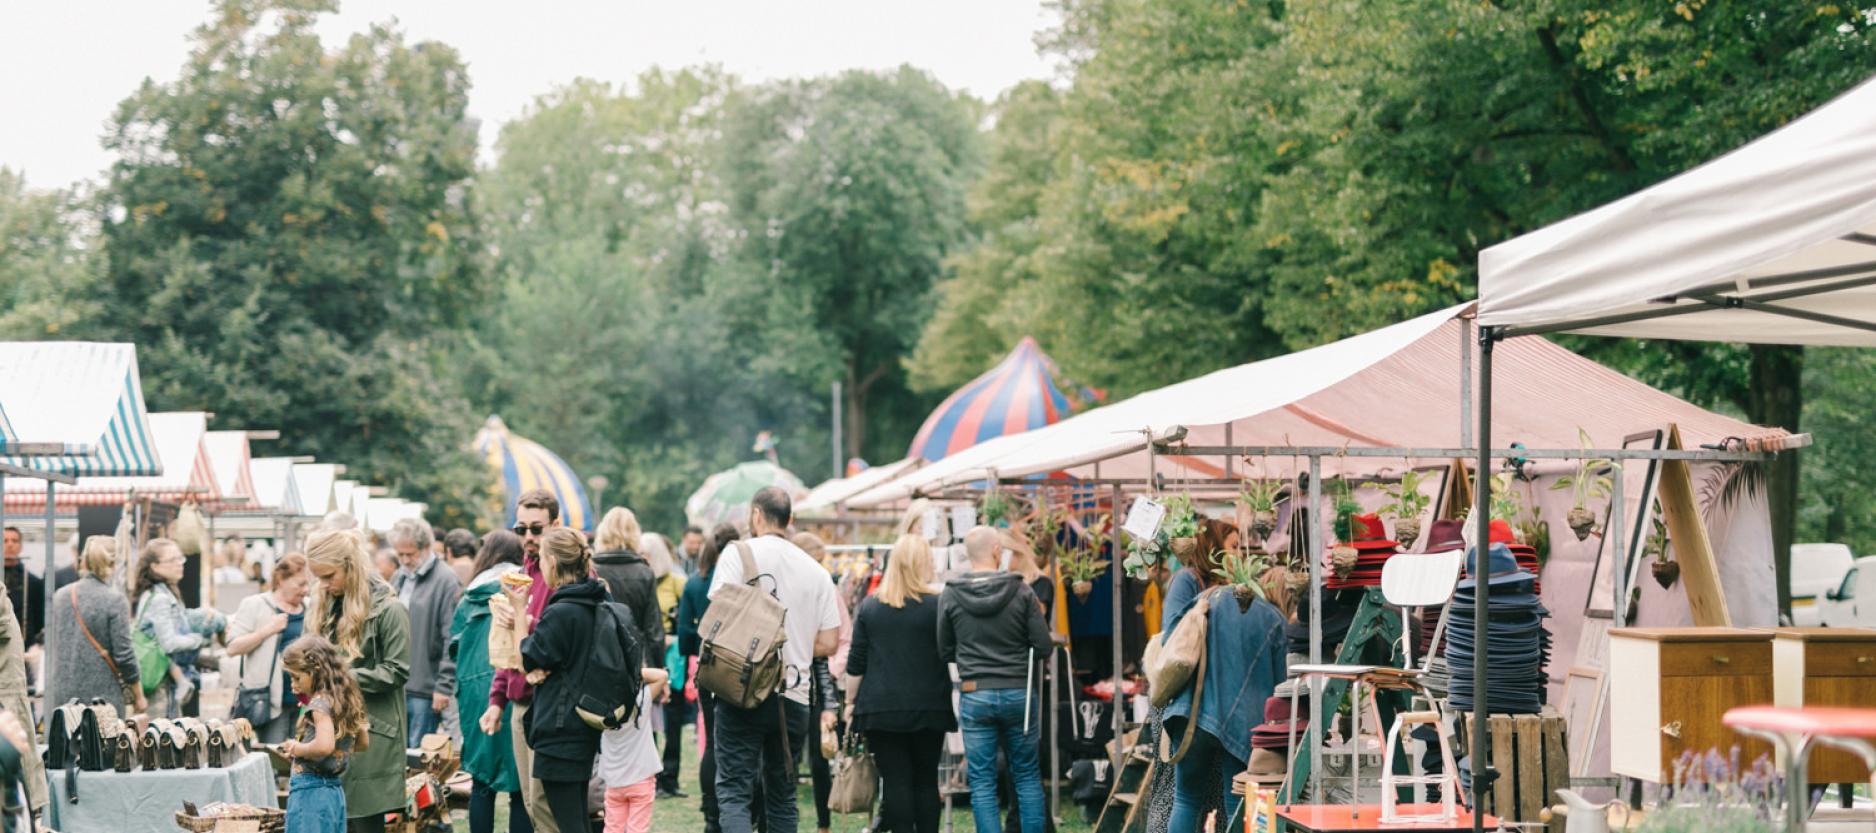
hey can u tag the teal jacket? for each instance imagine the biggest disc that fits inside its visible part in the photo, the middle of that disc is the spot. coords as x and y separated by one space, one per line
490 758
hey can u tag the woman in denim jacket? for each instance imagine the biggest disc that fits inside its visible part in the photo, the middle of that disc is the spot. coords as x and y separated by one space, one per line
1245 654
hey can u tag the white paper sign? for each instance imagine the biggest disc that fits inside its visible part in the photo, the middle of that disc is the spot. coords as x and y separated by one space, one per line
933 525
963 518
1143 518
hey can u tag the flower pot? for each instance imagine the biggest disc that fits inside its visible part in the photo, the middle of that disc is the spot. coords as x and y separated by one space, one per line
1342 558
1407 531
1184 547
1666 572
1298 580
1081 589
1263 523
1582 522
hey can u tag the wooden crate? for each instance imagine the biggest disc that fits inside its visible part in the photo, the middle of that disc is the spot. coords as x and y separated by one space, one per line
1532 759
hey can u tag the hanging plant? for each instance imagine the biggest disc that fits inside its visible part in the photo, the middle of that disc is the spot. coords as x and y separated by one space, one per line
1178 533
1259 500
1343 556
1181 526
1409 503
1666 569
1244 572
1081 566
1592 480
993 509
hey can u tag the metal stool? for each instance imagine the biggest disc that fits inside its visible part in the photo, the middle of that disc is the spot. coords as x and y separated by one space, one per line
1447 779
1793 730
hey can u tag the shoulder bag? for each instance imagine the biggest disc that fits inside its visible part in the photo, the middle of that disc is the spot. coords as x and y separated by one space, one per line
152 662
1201 612
257 705
1171 659
856 779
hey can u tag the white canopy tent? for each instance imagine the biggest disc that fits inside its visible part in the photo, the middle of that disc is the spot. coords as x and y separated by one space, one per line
313 486
382 512
1404 386
229 460
274 485
831 494
180 457
1772 243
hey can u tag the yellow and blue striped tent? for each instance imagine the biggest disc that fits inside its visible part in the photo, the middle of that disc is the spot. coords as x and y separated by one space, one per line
525 465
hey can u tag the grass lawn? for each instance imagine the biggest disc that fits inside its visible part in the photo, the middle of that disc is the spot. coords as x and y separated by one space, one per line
683 815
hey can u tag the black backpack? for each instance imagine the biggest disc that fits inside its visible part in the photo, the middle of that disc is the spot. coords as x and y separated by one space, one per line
607 696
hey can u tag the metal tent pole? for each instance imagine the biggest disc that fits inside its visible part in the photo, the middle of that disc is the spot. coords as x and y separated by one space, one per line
1482 773
45 585
1315 624
1618 508
1119 586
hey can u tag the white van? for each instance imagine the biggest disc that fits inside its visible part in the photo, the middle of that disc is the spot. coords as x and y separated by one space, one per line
1852 603
1816 570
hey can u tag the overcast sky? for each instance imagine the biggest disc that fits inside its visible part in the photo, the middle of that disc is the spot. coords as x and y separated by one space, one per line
65 64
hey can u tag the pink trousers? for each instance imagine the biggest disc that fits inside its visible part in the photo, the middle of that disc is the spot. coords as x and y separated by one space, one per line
628 809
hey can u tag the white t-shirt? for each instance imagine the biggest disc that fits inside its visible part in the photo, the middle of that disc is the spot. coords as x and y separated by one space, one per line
806 591
628 755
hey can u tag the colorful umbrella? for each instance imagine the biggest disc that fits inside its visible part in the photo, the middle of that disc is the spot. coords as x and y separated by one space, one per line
725 495
525 465
1017 395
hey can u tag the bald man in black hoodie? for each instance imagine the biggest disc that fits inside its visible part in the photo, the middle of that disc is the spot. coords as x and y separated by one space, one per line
991 625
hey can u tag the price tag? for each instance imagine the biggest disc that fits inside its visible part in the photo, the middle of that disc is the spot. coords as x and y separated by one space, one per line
963 518
1143 518
932 525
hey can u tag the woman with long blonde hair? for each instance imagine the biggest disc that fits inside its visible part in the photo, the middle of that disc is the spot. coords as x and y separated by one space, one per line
903 704
359 614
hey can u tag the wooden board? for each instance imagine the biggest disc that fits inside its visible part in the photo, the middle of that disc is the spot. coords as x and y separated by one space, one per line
1700 575
1504 741
1557 767
1530 766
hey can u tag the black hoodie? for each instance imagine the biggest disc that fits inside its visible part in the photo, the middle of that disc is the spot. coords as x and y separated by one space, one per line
987 622
562 643
628 575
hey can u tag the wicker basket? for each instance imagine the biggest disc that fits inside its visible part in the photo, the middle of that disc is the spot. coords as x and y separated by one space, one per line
270 820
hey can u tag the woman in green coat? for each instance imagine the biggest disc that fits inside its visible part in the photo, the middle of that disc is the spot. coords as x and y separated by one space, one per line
360 613
490 759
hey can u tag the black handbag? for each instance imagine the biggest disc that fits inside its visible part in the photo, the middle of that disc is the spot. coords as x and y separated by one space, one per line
257 704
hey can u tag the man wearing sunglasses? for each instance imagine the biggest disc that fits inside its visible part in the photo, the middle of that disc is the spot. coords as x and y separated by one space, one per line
536 511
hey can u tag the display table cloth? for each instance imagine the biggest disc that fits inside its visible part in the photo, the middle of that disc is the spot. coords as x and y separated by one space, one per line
147 801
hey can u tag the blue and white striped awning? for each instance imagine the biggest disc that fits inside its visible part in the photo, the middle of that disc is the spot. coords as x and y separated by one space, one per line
85 397
274 486
186 472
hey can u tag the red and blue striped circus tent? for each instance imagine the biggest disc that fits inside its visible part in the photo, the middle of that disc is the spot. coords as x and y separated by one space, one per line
1017 395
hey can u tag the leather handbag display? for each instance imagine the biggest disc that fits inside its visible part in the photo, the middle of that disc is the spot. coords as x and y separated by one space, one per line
194 742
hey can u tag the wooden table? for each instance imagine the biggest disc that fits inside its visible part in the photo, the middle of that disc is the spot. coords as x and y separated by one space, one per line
1324 818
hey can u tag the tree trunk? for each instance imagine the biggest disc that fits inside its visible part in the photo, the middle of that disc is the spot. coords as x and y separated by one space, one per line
1775 398
854 394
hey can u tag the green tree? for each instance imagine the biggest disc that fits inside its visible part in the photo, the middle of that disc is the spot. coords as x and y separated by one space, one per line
48 260
849 194
286 232
630 335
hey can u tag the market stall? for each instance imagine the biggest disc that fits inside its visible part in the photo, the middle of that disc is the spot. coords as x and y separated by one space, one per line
1773 243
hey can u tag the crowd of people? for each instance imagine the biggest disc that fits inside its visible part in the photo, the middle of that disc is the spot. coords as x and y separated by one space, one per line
358 648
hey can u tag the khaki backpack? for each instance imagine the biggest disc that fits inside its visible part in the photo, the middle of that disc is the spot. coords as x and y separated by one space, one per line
741 658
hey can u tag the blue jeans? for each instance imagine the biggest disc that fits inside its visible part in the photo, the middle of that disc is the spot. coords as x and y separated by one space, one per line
752 759
315 804
419 719
992 720
1199 780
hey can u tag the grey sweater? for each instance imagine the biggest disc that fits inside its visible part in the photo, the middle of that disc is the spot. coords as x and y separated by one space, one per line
79 671
431 595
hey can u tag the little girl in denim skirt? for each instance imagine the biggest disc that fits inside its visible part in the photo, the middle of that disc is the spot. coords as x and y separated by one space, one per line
331 727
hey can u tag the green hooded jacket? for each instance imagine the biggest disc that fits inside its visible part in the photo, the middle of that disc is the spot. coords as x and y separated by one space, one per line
490 758
374 781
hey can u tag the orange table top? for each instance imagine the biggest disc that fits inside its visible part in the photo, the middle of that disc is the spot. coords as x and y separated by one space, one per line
1322 818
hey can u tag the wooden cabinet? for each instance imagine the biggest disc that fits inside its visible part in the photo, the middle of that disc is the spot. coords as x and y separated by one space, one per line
1826 667
1668 688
